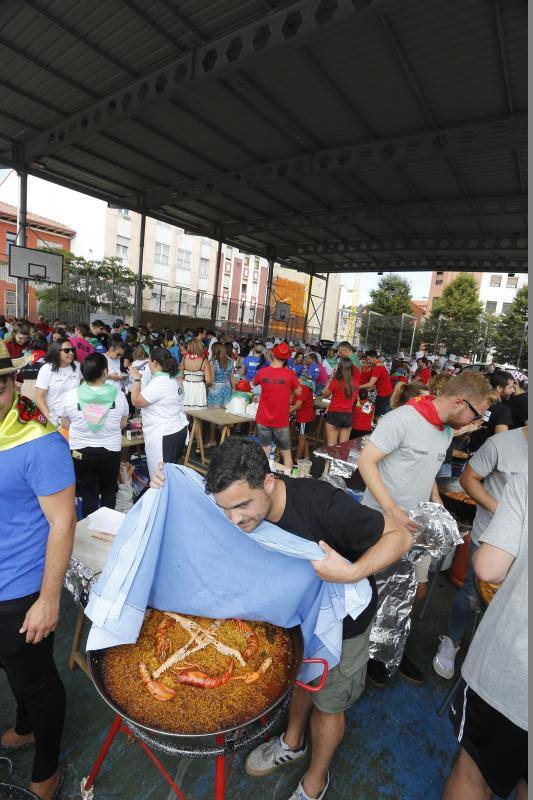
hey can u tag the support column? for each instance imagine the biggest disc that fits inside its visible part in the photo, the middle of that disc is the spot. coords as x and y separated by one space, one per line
310 292
22 304
139 283
323 307
266 320
214 305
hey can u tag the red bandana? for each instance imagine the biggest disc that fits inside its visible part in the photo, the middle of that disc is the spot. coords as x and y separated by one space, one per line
426 407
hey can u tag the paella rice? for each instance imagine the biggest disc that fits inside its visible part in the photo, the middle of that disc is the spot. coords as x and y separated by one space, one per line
204 707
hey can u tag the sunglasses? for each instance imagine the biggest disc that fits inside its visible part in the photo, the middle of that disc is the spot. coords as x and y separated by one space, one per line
476 413
68 350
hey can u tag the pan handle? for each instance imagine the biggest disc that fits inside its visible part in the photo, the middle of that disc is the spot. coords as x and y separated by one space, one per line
322 681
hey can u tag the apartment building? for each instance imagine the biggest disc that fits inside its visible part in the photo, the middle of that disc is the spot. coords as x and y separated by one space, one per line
496 290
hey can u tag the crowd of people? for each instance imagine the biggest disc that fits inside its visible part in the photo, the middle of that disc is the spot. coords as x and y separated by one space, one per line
67 393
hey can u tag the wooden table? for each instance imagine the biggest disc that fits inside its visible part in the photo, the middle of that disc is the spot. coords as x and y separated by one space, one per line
220 418
321 406
92 552
125 442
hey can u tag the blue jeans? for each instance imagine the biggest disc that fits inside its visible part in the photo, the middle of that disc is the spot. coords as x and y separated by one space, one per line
461 613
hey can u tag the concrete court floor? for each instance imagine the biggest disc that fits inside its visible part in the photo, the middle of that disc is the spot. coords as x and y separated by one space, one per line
395 747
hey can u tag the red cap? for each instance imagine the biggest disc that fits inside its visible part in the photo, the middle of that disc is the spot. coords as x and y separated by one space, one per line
244 386
281 352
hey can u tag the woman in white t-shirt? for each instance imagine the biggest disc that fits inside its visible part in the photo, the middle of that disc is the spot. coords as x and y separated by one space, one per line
95 414
59 374
115 351
165 425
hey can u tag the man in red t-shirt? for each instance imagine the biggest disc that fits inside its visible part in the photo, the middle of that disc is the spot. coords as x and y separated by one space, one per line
304 405
424 373
380 379
277 384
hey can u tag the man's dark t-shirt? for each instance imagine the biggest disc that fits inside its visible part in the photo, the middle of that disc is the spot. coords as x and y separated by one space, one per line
517 405
500 414
317 511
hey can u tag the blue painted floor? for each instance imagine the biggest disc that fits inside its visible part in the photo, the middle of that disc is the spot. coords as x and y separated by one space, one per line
395 748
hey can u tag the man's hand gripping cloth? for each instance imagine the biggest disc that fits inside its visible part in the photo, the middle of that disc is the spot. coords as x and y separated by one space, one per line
177 551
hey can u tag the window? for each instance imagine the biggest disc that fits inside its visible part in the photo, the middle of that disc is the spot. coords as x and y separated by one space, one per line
184 259
124 212
244 288
246 261
256 276
225 282
506 307
11 238
439 278
256 262
227 268
512 282
204 267
490 306
495 280
123 247
245 273
162 252
11 303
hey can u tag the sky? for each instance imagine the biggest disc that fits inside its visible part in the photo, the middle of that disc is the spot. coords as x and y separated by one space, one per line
420 283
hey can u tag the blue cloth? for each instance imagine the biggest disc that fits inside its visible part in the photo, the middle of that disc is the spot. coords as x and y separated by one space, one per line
37 468
177 551
175 352
220 391
296 368
312 370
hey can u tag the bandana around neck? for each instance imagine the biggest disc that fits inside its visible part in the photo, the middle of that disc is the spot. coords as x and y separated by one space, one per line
95 402
23 423
426 408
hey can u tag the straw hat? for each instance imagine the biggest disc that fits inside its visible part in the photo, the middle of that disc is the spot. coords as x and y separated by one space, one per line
9 365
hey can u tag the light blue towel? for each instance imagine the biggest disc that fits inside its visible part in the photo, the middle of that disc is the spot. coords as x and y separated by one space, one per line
177 551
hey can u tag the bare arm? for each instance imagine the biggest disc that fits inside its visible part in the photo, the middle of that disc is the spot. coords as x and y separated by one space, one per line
65 423
43 616
368 468
435 494
395 541
40 401
491 563
371 383
123 422
472 484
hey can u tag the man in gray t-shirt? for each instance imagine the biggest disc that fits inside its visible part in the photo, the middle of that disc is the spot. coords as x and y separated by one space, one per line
502 457
490 713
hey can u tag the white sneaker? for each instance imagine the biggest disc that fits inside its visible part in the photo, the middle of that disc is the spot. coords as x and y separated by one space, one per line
269 756
444 661
299 793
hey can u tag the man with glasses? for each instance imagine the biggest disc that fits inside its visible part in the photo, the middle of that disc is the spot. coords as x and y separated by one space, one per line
38 520
401 460
501 417
19 340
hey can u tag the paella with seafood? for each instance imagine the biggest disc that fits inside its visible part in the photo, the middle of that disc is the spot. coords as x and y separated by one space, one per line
193 675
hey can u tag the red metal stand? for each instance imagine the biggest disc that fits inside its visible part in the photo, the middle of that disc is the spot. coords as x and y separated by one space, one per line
119 725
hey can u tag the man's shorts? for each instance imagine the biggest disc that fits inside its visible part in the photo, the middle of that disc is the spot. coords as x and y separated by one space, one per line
346 682
382 405
281 436
497 745
304 428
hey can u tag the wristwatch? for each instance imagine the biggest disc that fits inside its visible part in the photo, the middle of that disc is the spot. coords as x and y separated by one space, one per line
136 380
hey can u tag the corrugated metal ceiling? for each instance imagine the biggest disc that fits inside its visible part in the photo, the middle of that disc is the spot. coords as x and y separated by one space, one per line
306 77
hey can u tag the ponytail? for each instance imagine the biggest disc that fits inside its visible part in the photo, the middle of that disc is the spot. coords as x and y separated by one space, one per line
406 391
165 360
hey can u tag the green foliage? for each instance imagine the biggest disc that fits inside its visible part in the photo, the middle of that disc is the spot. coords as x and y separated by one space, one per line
454 320
391 296
104 285
509 337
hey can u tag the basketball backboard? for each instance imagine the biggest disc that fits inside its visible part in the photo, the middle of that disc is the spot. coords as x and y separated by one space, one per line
35 265
282 312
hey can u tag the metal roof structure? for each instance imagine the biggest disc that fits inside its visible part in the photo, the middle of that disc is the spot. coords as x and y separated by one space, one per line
329 135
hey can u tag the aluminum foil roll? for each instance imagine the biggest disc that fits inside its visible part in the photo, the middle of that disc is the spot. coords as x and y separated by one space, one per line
436 535
78 580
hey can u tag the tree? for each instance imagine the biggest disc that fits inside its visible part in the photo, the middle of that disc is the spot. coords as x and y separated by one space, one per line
104 285
391 297
509 338
454 322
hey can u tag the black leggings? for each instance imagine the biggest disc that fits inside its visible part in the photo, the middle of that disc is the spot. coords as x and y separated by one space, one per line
96 476
173 445
36 684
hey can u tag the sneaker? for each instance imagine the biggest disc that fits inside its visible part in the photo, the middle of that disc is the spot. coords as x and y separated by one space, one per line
377 672
444 661
269 756
299 793
410 671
